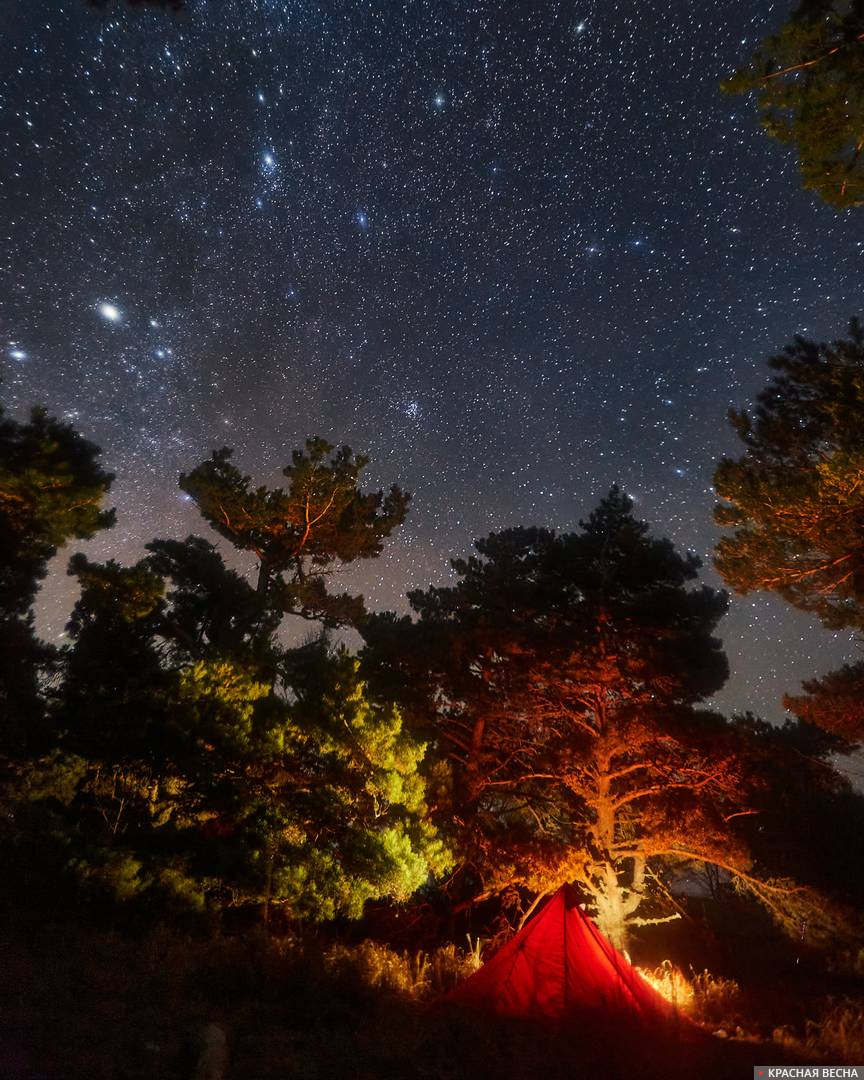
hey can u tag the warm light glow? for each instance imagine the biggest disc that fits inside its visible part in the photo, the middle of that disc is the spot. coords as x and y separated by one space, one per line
669 983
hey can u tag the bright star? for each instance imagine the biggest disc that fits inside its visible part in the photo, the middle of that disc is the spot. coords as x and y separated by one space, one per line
439 101
110 312
362 219
18 354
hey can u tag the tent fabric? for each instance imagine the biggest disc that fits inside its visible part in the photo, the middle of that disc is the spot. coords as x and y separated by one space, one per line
560 964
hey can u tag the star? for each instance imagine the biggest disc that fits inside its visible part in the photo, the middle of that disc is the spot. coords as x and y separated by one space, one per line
552 235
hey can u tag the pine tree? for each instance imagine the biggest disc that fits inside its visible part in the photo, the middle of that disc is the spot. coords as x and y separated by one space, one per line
562 676
203 760
51 490
301 534
795 503
809 84
232 775
835 702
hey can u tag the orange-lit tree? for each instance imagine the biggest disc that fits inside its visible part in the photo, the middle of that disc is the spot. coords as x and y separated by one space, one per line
302 533
561 678
795 504
808 80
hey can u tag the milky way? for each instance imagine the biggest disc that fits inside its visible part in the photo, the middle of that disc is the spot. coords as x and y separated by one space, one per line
514 252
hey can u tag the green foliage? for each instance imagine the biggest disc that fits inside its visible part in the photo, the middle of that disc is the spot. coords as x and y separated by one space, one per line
365 795
200 759
211 761
214 610
51 490
300 534
809 85
261 775
796 497
218 700
115 688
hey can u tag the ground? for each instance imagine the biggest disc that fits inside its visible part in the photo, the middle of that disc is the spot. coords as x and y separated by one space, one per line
79 1001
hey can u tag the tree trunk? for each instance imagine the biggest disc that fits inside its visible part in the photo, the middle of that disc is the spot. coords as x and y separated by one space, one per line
611 902
610 896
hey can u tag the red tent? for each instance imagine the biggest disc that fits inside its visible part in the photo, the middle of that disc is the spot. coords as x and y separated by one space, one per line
558 965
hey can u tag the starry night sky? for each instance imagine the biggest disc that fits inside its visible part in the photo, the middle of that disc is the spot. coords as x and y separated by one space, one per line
516 252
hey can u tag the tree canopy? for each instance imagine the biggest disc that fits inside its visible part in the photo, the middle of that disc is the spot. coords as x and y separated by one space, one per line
201 756
561 676
795 503
300 534
795 499
540 721
211 781
808 79
51 491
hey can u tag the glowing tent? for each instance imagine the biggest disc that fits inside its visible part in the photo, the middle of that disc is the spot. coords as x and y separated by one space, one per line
560 965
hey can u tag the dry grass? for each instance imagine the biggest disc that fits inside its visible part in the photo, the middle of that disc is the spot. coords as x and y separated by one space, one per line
718 1001
836 1035
838 1032
420 976
671 983
709 999
80 1003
